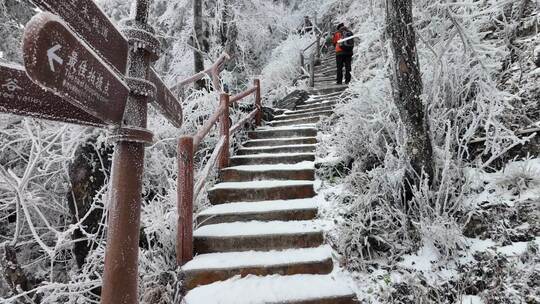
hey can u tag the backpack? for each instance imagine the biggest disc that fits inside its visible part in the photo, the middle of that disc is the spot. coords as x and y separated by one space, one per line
348 45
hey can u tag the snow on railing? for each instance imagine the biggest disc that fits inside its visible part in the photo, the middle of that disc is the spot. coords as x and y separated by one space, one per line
187 189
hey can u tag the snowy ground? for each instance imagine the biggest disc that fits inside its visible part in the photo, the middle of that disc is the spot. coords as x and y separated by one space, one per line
499 258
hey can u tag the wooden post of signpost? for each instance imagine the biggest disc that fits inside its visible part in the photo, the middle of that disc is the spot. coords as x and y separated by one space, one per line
120 278
258 102
225 125
184 234
80 87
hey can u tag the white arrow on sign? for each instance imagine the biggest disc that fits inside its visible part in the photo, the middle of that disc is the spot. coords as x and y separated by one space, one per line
53 57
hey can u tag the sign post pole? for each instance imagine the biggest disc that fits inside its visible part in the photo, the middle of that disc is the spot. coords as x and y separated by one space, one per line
121 257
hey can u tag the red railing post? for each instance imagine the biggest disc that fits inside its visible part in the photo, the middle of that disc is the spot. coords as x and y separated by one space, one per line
258 105
184 241
225 125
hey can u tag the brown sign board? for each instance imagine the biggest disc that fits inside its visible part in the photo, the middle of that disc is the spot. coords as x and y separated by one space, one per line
90 22
165 101
56 59
20 96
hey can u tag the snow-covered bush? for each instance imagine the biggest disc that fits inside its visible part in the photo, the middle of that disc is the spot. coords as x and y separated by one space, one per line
464 103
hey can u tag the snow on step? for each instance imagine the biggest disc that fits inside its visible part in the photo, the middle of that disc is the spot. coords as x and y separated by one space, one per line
289 116
262 184
281 138
263 155
312 105
264 206
278 147
295 121
258 258
256 228
280 141
306 111
306 165
310 126
270 289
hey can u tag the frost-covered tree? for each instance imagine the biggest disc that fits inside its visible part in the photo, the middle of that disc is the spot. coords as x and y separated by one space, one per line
407 91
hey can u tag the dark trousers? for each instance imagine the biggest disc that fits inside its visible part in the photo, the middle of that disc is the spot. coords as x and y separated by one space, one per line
343 60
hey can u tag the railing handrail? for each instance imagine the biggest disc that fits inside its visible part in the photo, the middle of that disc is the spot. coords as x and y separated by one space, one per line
314 57
243 94
207 126
212 72
309 46
187 189
318 37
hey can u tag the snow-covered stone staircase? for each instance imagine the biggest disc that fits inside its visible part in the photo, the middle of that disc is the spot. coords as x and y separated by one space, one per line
261 241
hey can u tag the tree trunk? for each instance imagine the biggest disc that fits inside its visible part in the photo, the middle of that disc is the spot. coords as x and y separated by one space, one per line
14 275
88 174
198 41
229 34
407 90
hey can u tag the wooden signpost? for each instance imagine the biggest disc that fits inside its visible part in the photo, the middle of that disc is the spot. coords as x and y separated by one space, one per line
165 101
78 68
20 96
89 21
58 60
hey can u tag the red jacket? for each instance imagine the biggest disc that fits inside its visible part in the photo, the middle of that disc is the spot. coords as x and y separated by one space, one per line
337 37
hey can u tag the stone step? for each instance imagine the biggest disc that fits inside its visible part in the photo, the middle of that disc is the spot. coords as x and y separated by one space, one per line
280 142
322 108
282 132
332 79
213 267
294 122
328 62
328 89
326 73
268 172
293 289
271 158
312 106
319 97
327 78
280 210
305 115
319 74
253 191
326 83
332 95
330 67
277 149
258 236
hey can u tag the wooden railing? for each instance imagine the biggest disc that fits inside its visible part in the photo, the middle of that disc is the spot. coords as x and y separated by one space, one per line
212 72
187 189
314 57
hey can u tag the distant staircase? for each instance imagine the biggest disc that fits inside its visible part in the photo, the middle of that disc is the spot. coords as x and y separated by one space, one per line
261 242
